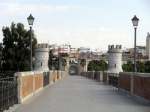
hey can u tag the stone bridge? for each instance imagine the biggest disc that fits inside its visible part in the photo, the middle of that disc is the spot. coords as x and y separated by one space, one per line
82 94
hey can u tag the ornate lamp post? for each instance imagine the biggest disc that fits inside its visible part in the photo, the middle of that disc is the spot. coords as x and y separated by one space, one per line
135 21
30 21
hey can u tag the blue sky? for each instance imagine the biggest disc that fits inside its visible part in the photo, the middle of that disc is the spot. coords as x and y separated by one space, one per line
82 23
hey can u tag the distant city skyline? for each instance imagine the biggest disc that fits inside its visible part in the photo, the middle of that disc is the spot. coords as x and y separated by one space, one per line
82 23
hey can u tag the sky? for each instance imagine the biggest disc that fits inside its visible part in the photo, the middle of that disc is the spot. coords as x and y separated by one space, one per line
82 23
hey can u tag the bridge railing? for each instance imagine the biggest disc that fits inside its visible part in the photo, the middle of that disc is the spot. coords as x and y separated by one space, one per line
4 74
45 78
8 92
135 84
113 80
29 83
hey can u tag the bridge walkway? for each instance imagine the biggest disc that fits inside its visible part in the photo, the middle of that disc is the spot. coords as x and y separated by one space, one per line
80 94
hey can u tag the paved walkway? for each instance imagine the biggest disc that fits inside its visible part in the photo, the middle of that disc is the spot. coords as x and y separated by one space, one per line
80 94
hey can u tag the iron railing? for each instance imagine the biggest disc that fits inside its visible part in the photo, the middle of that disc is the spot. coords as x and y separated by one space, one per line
8 92
95 75
4 74
45 78
113 81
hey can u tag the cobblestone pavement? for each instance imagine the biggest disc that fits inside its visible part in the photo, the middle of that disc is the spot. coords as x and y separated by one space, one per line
80 94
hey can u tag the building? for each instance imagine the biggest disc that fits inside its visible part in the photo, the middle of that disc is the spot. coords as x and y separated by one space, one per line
83 49
142 50
64 48
73 50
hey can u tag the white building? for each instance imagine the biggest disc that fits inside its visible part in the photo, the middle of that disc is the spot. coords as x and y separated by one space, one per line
83 49
64 48
141 49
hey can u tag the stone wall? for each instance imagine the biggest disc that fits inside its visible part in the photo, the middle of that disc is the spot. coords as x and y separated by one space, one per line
125 81
99 76
29 83
136 84
55 75
91 75
141 85
38 80
105 77
51 75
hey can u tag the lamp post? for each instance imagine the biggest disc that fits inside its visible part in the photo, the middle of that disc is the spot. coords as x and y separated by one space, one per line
30 21
54 63
58 60
135 21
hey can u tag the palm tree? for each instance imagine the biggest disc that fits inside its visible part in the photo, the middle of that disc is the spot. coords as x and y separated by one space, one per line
64 62
83 62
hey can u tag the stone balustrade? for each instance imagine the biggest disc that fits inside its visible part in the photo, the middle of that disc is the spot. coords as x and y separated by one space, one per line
135 84
29 83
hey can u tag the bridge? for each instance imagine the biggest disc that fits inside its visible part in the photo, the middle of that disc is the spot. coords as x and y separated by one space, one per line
74 89
73 93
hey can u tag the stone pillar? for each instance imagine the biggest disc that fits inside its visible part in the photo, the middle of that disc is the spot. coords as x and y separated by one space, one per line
80 68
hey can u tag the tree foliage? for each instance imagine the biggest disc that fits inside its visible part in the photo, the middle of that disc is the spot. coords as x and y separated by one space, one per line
97 65
53 62
64 54
83 62
15 49
143 67
64 62
128 67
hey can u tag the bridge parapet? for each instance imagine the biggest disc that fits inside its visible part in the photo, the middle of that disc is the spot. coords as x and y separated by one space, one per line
29 83
135 84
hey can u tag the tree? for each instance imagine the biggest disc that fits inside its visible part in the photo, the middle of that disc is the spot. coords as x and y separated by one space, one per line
83 62
147 66
97 65
50 61
140 66
64 54
128 67
16 48
64 62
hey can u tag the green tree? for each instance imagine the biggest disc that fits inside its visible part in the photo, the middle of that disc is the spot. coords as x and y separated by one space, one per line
16 48
128 67
140 66
83 62
97 65
147 66
64 62
64 54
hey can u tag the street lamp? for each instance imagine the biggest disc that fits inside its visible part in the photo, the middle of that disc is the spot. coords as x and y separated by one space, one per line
135 21
30 21
58 61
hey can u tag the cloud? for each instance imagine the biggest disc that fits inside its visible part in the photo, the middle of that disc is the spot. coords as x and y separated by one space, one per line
20 9
84 37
